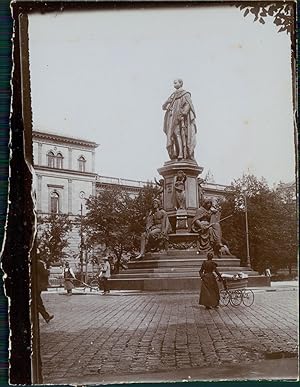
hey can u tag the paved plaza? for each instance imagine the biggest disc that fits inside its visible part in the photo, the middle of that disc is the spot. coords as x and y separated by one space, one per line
127 336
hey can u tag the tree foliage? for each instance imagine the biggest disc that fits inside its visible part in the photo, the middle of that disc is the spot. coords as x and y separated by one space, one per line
115 220
282 13
52 237
271 220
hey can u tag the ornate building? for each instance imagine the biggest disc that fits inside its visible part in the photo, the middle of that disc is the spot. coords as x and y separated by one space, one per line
65 172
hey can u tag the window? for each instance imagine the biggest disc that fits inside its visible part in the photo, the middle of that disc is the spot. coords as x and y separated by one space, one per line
54 202
59 161
51 159
81 164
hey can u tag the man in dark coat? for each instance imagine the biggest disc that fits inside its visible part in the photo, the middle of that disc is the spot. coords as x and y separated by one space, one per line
42 284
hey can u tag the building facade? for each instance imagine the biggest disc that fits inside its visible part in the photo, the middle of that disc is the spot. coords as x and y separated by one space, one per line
65 172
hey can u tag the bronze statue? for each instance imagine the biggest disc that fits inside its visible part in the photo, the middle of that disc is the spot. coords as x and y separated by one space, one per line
179 187
179 123
200 181
160 193
157 229
206 223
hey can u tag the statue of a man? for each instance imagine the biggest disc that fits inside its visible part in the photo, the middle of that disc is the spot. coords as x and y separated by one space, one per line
179 123
157 229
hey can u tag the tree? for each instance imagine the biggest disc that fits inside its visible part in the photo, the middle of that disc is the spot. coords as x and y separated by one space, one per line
52 237
115 220
282 13
271 221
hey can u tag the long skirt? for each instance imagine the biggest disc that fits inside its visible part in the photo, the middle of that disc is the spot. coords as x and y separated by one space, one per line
209 293
68 285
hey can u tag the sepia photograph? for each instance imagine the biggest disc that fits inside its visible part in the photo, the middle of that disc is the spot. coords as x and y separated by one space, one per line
160 147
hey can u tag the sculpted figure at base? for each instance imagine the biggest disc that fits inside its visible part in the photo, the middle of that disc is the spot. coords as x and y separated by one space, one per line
200 181
157 229
179 123
160 186
207 224
179 187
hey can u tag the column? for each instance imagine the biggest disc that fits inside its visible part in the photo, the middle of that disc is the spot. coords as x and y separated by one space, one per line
70 159
39 193
70 198
40 153
93 161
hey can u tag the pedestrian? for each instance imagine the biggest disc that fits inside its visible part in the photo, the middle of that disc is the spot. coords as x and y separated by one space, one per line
268 272
105 275
42 285
69 276
209 294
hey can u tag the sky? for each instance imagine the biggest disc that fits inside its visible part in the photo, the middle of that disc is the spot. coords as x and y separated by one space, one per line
104 75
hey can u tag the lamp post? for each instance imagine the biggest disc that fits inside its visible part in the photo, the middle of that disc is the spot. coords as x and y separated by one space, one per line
247 231
81 244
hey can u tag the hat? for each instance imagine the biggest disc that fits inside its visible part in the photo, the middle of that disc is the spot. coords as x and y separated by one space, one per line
105 258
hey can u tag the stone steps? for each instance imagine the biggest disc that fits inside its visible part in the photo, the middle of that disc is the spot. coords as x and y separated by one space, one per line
178 263
197 258
182 270
171 274
172 284
176 270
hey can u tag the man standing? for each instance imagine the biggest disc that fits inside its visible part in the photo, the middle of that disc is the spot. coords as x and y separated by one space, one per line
42 284
179 123
105 275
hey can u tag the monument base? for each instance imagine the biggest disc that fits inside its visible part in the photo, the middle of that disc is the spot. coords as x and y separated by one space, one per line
180 218
177 270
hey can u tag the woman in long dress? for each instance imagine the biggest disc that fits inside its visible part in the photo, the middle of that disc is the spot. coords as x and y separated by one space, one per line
69 276
209 294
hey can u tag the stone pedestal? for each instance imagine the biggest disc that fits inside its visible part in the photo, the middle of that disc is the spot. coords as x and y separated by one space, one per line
180 218
181 221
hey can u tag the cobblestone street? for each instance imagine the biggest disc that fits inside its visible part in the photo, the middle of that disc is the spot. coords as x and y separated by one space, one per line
120 334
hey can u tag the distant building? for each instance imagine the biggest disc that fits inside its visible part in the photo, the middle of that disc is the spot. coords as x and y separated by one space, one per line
65 172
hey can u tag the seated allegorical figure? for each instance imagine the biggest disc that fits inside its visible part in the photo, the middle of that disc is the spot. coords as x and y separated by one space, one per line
206 224
157 229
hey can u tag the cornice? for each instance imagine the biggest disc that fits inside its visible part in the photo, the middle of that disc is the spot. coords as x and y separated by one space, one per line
64 171
36 135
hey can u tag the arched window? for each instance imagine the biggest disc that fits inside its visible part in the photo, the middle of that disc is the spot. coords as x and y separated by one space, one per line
54 202
59 161
81 164
51 159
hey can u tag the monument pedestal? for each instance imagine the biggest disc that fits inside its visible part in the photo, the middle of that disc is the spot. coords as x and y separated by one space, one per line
181 219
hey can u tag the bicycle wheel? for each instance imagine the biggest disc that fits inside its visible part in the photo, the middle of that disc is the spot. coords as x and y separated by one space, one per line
248 297
224 297
236 297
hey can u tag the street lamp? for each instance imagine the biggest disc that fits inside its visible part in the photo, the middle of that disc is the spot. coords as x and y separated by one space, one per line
247 231
82 197
81 244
